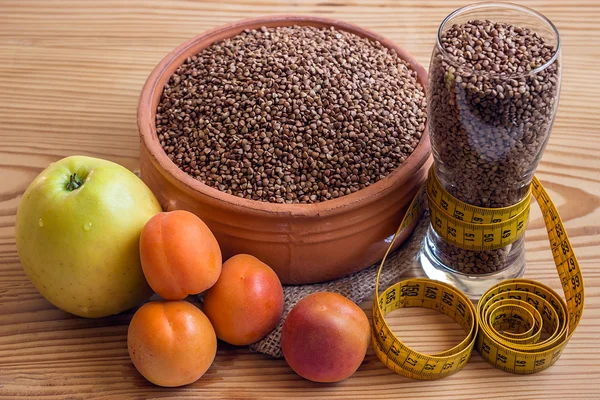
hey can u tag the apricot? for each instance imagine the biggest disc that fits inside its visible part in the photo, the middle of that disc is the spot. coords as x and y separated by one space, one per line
180 255
246 302
171 343
325 337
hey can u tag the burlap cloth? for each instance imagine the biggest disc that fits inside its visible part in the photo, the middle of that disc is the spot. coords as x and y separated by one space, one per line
357 287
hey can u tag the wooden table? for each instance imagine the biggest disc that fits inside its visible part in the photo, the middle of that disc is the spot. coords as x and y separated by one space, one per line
70 75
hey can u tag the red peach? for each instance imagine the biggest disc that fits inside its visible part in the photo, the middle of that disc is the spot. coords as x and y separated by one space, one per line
325 337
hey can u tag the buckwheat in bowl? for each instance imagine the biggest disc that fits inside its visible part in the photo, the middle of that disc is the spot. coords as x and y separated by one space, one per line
299 140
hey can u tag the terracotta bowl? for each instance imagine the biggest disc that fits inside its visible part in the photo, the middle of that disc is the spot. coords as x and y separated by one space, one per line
303 243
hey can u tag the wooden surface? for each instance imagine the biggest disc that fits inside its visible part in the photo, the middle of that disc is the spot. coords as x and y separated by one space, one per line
70 75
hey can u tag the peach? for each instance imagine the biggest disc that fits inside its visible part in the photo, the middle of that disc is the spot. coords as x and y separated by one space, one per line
171 343
246 302
180 255
325 337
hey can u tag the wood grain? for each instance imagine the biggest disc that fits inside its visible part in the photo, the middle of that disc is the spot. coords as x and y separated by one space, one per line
70 75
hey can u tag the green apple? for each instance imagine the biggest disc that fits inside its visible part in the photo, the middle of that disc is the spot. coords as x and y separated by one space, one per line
78 229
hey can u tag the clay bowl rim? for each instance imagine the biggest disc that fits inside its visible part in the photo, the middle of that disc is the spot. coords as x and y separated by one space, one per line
147 129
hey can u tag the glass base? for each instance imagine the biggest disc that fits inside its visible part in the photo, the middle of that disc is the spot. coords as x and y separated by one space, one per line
472 285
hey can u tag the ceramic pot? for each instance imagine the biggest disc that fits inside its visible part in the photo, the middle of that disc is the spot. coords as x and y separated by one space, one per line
303 243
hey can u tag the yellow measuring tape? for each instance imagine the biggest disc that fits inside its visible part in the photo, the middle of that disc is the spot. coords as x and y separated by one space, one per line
474 228
507 325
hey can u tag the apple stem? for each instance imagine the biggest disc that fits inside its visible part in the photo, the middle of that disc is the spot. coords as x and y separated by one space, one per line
74 182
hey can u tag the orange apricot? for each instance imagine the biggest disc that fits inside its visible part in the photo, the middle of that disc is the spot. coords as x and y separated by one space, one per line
171 343
325 337
180 255
246 302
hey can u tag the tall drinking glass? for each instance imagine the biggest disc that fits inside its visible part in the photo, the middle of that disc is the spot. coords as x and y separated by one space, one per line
494 83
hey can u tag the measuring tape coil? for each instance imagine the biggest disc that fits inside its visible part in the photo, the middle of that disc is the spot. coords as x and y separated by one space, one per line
506 328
